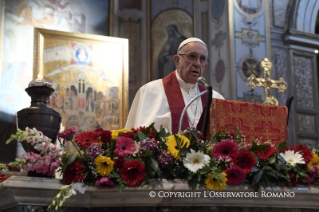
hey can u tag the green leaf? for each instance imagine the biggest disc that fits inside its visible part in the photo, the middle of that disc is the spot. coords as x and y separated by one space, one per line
162 132
193 183
267 168
204 170
190 176
183 151
141 136
267 181
154 164
71 158
257 178
114 175
147 153
282 145
272 159
272 174
253 145
303 174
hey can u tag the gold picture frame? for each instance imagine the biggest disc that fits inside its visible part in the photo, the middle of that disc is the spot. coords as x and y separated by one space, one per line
89 74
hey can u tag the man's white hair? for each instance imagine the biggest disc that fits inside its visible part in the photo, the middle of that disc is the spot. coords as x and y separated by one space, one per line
189 40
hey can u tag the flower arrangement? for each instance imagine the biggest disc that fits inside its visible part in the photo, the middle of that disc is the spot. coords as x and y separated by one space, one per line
138 156
46 158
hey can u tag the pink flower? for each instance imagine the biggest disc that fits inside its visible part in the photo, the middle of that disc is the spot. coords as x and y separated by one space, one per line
235 175
31 156
124 146
225 149
105 182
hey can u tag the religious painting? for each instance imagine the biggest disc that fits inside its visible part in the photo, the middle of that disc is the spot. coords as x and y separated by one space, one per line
168 30
20 18
89 74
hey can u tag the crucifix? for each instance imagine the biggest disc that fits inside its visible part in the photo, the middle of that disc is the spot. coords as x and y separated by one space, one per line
266 82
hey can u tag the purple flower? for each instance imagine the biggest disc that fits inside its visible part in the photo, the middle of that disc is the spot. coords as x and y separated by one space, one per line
105 182
149 144
164 158
93 151
312 175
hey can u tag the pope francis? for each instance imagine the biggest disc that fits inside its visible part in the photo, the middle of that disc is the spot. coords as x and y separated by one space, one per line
162 101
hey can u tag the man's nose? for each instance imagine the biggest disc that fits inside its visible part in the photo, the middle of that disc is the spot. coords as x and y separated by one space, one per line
197 61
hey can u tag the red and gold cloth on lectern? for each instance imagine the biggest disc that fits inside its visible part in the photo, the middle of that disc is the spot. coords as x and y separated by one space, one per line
255 121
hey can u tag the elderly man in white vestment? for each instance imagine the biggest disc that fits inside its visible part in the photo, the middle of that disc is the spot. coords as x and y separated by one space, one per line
162 101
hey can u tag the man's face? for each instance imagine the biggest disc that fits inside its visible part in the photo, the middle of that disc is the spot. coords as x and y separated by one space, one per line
187 70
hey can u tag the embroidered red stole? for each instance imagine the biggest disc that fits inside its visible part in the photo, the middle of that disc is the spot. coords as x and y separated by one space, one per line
176 102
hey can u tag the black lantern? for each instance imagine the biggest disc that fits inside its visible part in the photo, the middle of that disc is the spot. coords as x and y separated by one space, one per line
38 115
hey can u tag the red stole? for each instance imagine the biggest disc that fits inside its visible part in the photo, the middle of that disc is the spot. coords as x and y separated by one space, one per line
176 102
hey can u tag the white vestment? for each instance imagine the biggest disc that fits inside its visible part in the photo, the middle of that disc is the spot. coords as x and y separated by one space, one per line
150 105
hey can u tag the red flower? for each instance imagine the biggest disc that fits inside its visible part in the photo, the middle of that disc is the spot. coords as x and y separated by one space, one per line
293 179
304 151
68 133
226 149
245 160
74 173
3 177
105 135
118 163
132 172
201 137
85 139
264 155
151 134
235 175
128 135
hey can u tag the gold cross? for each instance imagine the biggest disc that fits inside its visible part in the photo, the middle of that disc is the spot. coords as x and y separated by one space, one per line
266 82
267 133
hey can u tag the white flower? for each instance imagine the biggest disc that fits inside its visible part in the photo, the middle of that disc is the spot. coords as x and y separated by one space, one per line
292 158
195 160
71 192
80 187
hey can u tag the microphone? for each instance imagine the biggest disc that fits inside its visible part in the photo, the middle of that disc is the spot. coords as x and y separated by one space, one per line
202 81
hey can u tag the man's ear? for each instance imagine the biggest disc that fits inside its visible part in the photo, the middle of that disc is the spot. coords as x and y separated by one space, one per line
176 60
206 65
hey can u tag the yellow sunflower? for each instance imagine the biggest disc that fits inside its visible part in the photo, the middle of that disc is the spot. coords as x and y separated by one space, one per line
172 144
213 184
104 165
314 160
115 133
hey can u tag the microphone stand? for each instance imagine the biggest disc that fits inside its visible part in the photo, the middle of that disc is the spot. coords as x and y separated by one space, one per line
209 90
185 108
